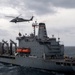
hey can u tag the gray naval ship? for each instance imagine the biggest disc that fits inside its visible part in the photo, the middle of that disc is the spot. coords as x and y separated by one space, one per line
37 51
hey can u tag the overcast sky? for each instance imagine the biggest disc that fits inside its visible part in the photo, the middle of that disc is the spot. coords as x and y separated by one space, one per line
59 16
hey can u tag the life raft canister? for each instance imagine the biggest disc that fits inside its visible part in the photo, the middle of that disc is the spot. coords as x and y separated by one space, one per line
23 50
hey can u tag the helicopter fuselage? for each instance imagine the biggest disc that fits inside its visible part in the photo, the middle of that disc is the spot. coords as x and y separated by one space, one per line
21 20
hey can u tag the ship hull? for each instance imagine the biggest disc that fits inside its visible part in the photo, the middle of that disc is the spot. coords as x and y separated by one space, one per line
51 65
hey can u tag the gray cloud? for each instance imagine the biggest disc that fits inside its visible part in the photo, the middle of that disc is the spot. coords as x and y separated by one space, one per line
46 6
64 30
63 3
37 6
18 26
3 33
40 6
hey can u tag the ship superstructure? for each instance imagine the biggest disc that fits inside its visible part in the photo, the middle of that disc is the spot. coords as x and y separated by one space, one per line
41 44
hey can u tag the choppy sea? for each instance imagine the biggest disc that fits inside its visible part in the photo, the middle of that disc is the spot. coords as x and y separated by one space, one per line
16 70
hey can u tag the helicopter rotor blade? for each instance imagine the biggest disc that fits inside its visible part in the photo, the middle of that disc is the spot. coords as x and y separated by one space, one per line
10 16
19 15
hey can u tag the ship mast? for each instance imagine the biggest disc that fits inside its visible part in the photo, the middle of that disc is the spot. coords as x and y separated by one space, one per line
34 25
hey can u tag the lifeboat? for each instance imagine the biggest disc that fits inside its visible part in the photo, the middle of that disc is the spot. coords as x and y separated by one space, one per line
23 50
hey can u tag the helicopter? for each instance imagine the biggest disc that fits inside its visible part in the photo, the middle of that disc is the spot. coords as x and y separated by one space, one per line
17 19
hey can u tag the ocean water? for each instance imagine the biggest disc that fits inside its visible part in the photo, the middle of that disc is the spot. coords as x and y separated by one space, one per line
16 70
